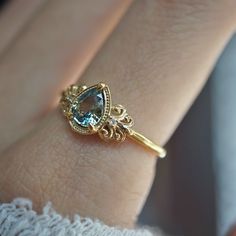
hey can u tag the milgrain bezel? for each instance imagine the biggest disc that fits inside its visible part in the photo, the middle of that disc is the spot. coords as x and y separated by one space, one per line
106 112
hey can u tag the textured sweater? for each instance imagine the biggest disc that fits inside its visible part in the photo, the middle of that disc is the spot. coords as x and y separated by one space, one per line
19 219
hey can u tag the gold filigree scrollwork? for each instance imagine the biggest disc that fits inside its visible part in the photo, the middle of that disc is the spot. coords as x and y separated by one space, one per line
117 125
68 96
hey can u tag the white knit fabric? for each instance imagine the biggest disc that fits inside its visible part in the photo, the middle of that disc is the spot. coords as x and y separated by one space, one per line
19 219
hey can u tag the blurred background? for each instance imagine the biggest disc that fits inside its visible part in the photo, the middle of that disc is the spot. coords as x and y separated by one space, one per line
194 192
194 189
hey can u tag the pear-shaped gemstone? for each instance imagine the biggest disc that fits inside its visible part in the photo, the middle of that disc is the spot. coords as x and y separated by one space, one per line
88 108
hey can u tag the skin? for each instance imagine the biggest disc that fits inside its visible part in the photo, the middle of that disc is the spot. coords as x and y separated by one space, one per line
155 62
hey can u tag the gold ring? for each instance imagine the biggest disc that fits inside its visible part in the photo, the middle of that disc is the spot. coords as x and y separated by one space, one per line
89 110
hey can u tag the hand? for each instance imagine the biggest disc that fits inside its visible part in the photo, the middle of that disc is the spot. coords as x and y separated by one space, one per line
155 62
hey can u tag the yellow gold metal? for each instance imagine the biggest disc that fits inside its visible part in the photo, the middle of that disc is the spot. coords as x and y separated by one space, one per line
101 86
69 115
74 89
82 88
92 128
114 123
139 138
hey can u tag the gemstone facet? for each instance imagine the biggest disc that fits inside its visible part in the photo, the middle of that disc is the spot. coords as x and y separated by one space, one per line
88 108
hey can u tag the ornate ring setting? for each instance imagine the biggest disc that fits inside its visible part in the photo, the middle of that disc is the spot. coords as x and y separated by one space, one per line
89 110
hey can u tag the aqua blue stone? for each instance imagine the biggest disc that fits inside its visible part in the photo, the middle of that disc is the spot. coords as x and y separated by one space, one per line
88 107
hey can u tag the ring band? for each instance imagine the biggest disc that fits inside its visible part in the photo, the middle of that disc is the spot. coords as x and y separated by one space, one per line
89 110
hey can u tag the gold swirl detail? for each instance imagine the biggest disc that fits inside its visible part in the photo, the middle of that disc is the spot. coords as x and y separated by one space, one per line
117 125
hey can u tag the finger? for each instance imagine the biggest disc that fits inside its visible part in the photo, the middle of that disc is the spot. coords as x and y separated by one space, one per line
51 52
13 19
155 64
